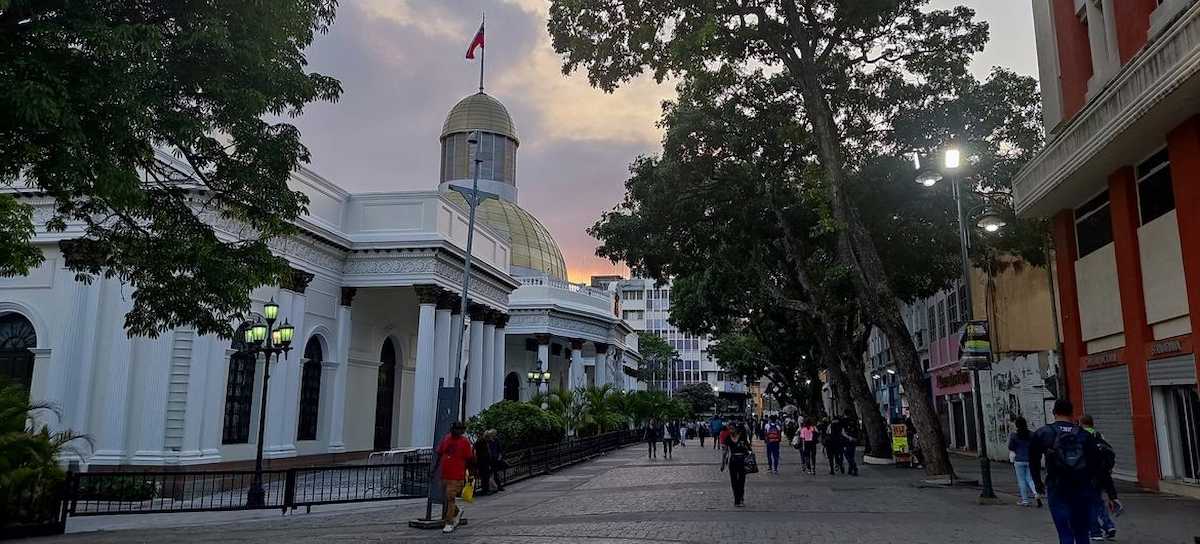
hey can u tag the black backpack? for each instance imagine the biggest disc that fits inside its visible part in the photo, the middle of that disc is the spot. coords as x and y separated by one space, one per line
1106 456
1069 450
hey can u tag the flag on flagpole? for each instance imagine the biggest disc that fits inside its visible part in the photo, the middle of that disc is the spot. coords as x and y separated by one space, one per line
477 42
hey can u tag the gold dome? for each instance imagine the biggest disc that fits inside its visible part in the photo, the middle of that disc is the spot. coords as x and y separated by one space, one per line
533 247
479 112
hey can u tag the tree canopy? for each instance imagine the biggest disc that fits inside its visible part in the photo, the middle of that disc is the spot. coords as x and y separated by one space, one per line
93 93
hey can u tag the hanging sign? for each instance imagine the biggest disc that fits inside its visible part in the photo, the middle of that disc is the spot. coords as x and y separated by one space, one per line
975 346
900 451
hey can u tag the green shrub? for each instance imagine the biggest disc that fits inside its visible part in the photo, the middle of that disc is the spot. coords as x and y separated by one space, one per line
117 488
519 425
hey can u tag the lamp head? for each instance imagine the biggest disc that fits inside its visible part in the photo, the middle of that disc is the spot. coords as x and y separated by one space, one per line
928 178
286 333
259 331
953 158
271 311
991 221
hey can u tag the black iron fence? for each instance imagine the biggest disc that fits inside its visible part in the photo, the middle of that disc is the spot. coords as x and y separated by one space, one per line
144 492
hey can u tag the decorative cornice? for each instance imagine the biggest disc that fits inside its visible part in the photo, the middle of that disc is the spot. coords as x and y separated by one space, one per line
296 280
428 294
501 320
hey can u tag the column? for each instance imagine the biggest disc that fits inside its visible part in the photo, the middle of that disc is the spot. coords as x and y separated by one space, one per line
575 375
441 340
498 358
1183 145
1065 255
1122 189
337 415
150 373
475 361
602 364
110 422
425 385
283 391
488 362
543 357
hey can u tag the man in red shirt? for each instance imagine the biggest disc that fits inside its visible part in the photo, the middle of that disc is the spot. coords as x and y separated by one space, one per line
455 454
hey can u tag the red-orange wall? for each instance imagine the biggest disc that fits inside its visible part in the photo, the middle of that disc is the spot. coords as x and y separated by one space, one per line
1133 23
1074 57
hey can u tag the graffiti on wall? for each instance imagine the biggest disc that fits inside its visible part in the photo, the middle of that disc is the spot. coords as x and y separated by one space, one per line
1016 386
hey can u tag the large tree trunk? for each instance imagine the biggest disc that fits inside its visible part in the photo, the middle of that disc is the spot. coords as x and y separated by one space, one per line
868 407
856 251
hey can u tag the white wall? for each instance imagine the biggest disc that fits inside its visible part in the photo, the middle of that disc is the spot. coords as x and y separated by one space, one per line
1162 270
1015 387
1099 302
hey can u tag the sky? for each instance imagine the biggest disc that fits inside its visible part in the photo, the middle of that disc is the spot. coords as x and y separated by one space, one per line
402 67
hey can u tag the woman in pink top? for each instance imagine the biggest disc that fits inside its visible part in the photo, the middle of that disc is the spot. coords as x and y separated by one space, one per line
808 441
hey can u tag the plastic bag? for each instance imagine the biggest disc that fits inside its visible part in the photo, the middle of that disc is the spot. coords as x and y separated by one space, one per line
468 492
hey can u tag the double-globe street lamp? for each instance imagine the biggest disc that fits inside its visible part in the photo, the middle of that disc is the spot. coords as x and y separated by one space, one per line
263 338
538 377
990 221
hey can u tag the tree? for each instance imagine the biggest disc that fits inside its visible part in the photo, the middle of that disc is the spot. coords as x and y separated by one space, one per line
854 69
699 398
657 358
145 122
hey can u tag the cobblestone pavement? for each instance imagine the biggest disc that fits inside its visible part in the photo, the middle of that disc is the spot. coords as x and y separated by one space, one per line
625 497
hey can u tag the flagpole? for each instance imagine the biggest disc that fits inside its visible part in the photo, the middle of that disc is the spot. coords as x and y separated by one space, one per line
483 54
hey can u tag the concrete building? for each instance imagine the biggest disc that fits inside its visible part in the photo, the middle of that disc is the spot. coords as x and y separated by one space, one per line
373 296
1120 177
647 308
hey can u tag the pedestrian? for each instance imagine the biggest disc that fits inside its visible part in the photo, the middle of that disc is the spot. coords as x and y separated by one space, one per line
499 464
669 437
652 436
483 464
737 449
683 433
1102 525
1070 454
808 442
850 434
831 440
715 426
702 430
1018 453
454 455
772 436
724 434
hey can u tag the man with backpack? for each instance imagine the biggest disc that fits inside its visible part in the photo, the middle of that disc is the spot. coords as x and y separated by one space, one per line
773 436
1102 525
1073 462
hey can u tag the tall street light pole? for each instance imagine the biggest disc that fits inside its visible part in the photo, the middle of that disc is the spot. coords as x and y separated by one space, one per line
951 166
473 197
261 338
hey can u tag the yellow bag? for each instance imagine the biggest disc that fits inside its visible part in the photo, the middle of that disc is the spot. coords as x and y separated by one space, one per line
468 492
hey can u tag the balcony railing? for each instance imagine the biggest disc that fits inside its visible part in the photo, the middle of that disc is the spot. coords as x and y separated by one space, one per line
546 281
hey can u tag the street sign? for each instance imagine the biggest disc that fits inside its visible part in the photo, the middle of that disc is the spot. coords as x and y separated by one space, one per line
974 345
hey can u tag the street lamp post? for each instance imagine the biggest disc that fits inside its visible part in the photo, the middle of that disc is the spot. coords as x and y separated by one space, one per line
473 197
263 339
990 222
540 378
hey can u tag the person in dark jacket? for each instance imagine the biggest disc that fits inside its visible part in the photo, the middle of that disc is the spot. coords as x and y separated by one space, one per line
831 440
1072 463
483 464
653 435
1102 525
850 442
738 449
497 454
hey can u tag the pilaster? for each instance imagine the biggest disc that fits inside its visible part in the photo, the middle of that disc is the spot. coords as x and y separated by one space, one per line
425 385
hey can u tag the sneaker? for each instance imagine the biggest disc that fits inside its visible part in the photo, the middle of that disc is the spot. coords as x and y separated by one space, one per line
739 504
448 528
1038 501
1097 537
1110 534
459 517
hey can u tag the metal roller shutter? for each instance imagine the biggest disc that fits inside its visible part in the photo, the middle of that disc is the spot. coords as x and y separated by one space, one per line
1173 371
1106 399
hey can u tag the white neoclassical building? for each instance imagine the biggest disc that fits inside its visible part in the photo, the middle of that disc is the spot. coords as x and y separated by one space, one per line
373 295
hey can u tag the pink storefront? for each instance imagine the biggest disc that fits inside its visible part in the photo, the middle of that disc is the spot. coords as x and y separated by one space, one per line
952 396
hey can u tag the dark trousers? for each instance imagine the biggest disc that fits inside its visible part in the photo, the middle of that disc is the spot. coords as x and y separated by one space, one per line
810 455
652 448
850 452
1099 520
702 441
1071 509
485 477
834 453
668 444
737 479
773 456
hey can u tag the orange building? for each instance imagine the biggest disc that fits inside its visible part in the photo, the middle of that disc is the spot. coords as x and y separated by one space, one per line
1120 176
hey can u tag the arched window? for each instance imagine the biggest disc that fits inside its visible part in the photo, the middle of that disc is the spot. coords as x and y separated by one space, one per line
385 396
17 338
512 386
310 390
239 391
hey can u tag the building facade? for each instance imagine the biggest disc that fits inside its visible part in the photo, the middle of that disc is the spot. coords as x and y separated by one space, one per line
1120 178
373 294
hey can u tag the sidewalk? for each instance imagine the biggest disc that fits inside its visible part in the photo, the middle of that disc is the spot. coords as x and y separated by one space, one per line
624 497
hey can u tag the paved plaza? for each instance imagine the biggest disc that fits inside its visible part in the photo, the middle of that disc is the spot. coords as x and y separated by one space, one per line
624 497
